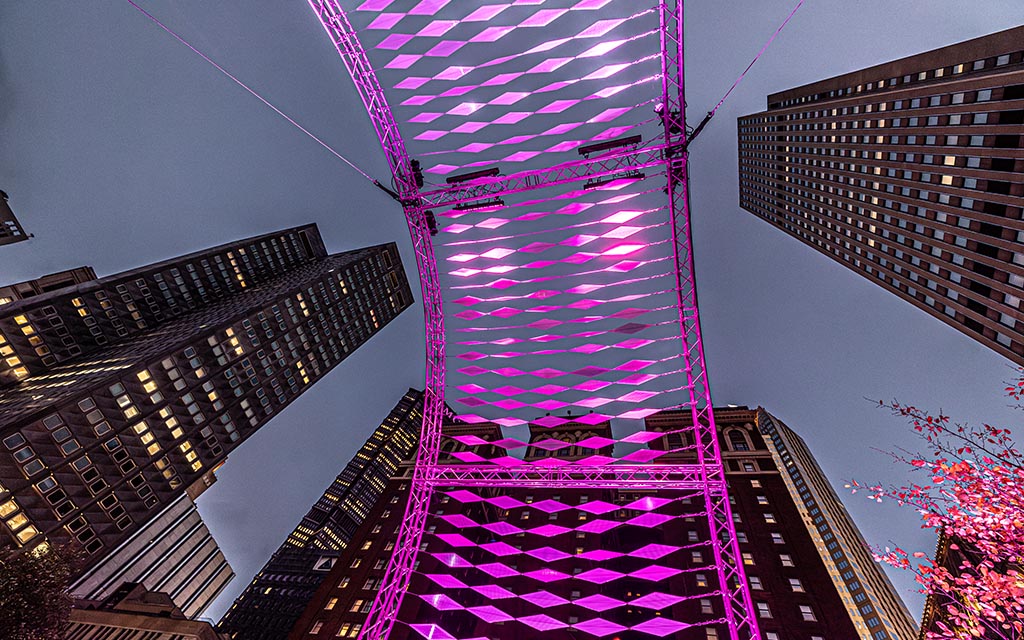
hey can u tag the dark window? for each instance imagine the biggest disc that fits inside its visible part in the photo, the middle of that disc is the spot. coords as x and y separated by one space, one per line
1013 92
998 186
1011 117
738 441
1002 164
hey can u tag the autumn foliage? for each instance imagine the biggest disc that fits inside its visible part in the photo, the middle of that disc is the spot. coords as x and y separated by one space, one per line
972 493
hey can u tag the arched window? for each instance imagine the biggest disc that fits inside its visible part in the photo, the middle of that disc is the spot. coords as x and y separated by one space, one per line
678 441
738 440
572 439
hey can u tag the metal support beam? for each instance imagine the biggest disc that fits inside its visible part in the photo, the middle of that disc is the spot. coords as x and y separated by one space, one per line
732 583
630 477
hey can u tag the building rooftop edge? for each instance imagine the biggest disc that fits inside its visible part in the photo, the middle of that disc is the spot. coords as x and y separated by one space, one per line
991 44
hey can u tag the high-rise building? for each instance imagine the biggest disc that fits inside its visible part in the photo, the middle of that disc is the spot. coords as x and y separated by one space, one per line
951 554
340 605
279 593
910 173
50 282
117 394
10 228
174 554
135 613
866 591
623 563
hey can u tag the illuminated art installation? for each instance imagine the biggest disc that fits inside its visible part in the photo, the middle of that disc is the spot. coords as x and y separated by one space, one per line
539 151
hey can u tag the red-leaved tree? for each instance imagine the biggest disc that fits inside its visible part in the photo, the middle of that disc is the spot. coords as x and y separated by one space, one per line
972 494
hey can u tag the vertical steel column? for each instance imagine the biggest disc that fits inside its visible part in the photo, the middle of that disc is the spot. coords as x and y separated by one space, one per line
385 606
732 583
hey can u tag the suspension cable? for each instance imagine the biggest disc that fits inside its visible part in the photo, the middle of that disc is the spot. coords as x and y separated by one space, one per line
253 92
760 53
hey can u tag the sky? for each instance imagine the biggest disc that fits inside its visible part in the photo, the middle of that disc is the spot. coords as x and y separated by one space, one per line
120 147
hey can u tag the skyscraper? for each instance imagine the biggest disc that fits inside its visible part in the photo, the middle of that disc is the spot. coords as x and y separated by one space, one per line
470 577
279 593
174 554
909 173
866 591
117 394
50 282
10 228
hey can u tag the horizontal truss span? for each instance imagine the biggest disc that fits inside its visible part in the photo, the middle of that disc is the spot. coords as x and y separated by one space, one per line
606 166
689 477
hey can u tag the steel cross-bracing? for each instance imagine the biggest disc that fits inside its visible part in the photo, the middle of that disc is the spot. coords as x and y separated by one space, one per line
663 476
588 231
739 605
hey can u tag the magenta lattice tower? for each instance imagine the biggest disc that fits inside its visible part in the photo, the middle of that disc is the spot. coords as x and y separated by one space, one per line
544 180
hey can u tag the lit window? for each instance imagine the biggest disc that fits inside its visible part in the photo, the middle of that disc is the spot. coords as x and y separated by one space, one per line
755 583
769 518
796 585
763 611
807 614
787 560
27 534
330 604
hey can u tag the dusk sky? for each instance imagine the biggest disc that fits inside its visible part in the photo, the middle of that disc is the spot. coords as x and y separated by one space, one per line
120 147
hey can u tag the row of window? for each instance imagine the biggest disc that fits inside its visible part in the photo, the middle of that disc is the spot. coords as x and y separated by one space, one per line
1001 60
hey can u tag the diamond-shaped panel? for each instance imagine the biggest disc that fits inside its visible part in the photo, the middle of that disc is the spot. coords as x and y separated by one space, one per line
543 622
657 600
599 627
544 599
599 576
659 627
599 602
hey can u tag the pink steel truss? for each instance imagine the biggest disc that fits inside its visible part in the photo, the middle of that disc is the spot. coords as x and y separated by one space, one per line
570 280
